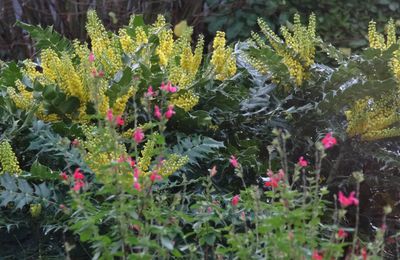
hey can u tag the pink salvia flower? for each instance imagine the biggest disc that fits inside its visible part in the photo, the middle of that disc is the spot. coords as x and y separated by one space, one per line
328 141
63 176
136 173
302 162
131 162
172 89
155 177
341 233
100 74
78 175
234 162
136 186
78 185
157 112
121 159
110 116
316 255
150 92
120 121
163 87
170 112
348 201
91 57
75 142
138 135
235 200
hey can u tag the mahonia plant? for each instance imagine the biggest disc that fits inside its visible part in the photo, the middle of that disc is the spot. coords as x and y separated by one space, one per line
376 118
297 48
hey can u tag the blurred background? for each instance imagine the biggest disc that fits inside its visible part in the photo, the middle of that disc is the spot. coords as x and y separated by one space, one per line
341 22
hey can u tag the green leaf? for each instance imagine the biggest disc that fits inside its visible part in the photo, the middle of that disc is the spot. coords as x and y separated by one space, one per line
46 38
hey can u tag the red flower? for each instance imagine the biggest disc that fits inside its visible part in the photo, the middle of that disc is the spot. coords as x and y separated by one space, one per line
170 112
155 177
63 176
138 135
235 200
347 201
317 256
157 112
364 253
136 186
341 233
272 183
234 162
302 162
78 175
150 92
110 116
78 185
100 74
120 121
131 162
168 87
328 141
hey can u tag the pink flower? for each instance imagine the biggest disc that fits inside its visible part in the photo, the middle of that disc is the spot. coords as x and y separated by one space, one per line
272 183
302 162
364 253
131 162
170 112
136 173
120 121
157 112
347 201
63 176
235 200
78 175
75 142
316 255
155 177
138 135
150 92
168 87
110 116
91 57
78 185
100 74
341 233
136 186
234 162
328 141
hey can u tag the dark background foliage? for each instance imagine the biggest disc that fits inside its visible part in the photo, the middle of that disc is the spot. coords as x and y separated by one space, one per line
342 23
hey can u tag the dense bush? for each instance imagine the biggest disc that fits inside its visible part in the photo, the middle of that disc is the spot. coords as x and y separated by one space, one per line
137 145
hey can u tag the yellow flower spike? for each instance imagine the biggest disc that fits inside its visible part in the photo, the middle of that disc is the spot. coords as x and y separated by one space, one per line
147 153
127 43
377 40
222 58
172 164
120 104
104 47
186 101
165 47
8 160
301 41
140 36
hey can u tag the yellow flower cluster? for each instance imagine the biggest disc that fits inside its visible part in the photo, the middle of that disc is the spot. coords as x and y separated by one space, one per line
373 120
120 104
377 40
62 72
127 43
147 153
105 47
222 58
298 50
165 47
8 160
172 164
185 100
24 99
